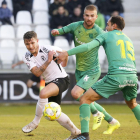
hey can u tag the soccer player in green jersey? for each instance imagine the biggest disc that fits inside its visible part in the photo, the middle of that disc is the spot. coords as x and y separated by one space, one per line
87 63
121 74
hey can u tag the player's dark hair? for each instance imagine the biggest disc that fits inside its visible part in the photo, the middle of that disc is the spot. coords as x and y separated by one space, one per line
29 35
119 21
90 7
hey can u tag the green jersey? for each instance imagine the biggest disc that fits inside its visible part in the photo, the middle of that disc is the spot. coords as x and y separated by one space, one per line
118 48
86 60
120 52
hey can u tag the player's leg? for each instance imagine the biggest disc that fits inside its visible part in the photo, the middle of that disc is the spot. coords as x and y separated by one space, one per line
130 94
48 91
135 107
64 120
112 122
85 101
77 92
85 80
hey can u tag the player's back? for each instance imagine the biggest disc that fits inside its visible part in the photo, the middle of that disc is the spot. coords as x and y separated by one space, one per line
120 52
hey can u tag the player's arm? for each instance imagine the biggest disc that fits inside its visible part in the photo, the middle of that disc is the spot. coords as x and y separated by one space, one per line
37 71
66 29
79 49
18 63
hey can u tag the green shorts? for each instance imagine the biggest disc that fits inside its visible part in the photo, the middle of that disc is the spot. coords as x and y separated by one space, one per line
110 84
85 79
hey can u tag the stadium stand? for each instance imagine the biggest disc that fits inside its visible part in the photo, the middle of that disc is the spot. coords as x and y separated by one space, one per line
23 17
7 32
41 25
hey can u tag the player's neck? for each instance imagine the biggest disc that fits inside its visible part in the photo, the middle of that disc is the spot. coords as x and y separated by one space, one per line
87 27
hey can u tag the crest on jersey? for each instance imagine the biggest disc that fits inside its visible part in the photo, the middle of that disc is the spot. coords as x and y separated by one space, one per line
43 58
91 35
45 50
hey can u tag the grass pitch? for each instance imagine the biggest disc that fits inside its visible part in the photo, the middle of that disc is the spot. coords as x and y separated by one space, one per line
13 118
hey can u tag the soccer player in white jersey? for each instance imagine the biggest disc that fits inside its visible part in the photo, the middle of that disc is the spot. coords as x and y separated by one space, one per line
40 61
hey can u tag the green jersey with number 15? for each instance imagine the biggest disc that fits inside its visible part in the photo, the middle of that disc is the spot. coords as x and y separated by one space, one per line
86 60
120 52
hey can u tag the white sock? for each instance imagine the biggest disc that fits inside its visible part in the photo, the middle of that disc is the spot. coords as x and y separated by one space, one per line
39 110
97 114
113 121
65 121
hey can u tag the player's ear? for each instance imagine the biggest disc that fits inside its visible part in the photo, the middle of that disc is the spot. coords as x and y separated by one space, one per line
114 26
96 16
37 40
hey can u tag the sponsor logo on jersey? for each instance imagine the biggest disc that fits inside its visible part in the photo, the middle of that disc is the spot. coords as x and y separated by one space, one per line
79 41
43 58
86 78
128 69
45 50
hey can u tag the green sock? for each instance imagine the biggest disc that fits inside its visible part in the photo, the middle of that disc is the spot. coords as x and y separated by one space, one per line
136 112
93 109
107 117
84 117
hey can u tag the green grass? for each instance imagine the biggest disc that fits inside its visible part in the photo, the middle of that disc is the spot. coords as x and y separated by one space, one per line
13 118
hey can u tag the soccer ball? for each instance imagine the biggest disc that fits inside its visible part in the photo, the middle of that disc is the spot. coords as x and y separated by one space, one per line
52 111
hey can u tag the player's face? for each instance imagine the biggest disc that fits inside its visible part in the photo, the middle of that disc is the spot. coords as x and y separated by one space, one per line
109 26
89 18
32 45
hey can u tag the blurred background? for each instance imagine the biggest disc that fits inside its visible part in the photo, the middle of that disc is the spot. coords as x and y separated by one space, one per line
41 16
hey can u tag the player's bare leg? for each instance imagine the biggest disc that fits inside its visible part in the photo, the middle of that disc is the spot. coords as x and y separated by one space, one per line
48 91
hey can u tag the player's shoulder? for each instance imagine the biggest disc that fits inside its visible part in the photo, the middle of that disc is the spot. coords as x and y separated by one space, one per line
77 23
27 56
45 48
97 28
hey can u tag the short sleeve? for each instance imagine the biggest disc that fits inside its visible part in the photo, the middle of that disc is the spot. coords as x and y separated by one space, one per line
30 64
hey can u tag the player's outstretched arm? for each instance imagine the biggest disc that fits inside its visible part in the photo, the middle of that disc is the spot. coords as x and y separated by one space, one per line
37 71
18 63
83 48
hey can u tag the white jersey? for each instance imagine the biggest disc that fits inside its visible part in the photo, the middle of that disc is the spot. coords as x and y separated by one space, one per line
53 70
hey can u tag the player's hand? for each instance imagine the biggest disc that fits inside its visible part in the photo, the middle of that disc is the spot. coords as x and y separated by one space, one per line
54 32
13 66
62 55
50 56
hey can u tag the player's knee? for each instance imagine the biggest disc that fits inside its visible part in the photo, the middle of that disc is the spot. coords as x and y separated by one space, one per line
75 94
132 105
42 94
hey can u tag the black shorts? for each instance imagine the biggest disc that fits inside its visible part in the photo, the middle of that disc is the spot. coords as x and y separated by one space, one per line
35 79
63 84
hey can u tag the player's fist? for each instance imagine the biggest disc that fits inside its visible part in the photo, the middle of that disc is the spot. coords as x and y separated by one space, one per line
55 32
